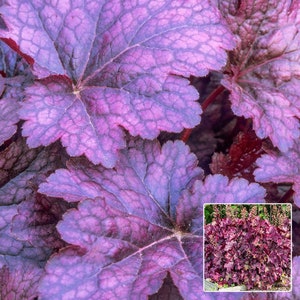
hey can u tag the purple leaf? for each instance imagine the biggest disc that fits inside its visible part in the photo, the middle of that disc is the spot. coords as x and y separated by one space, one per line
36 218
264 68
83 39
90 127
18 278
11 90
127 255
11 64
22 169
27 231
132 230
10 245
158 173
8 63
8 118
25 228
281 168
119 63
14 160
215 189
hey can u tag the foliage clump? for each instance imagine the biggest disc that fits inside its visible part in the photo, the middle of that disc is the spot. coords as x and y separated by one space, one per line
247 250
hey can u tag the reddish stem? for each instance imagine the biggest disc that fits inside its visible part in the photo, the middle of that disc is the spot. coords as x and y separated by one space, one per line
186 134
210 98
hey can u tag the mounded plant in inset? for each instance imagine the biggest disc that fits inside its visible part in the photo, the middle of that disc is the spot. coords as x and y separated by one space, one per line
249 245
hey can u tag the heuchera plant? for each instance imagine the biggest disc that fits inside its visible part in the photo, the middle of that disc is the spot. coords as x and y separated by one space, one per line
99 197
248 251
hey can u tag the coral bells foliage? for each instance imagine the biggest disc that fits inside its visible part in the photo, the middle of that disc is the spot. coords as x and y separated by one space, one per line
248 251
93 205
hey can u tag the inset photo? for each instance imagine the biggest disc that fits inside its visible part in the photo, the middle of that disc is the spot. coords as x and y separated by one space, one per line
247 247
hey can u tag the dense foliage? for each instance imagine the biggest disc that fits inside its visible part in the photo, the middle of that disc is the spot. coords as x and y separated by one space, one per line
119 119
247 250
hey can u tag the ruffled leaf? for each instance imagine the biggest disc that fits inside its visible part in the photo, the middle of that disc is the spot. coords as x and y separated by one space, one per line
264 68
281 168
161 173
215 189
142 222
119 64
128 239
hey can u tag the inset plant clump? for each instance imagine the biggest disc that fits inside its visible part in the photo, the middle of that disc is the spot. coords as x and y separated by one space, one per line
248 245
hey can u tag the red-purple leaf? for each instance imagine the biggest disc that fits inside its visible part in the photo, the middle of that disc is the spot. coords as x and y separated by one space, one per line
281 168
239 161
36 220
28 230
21 168
293 295
19 278
119 62
264 68
255 254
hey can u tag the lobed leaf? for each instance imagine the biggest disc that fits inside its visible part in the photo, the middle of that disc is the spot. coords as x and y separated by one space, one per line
281 168
264 68
23 168
13 78
27 220
36 218
241 157
130 240
120 64
19 278
133 224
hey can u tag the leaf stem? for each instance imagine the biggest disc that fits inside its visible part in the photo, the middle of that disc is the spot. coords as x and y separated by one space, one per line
186 134
210 98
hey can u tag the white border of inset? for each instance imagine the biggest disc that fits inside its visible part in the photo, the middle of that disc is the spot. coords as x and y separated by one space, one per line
251 291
